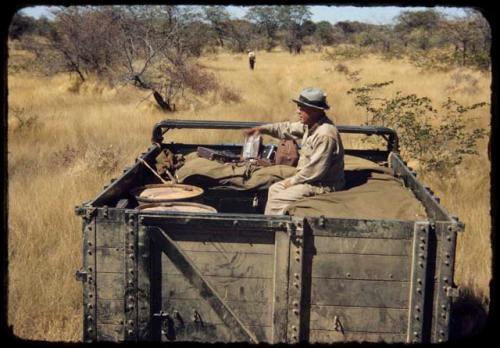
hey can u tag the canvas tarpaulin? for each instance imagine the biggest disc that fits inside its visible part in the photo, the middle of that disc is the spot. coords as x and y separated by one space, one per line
371 191
240 176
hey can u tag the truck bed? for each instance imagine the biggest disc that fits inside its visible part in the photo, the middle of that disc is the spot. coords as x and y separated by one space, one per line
241 276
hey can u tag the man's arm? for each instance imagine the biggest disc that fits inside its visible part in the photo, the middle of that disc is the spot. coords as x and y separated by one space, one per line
323 151
281 130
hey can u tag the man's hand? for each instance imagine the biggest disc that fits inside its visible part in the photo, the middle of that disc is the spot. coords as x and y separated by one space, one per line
287 183
252 131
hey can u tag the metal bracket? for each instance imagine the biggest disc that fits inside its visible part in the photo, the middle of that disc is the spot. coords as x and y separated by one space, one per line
81 276
296 232
452 291
89 212
420 251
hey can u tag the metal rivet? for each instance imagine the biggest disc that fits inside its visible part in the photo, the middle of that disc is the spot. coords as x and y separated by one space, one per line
294 337
421 264
419 280
297 259
131 271
447 255
443 315
448 238
235 222
421 255
419 290
297 251
131 322
296 303
415 333
296 311
89 243
89 318
296 275
422 229
130 332
422 246
440 340
422 239
296 284
131 282
90 252
445 280
131 256
131 298
417 317
299 224
90 329
348 275
450 228
294 328
90 269
417 308
89 306
447 263
443 306
441 332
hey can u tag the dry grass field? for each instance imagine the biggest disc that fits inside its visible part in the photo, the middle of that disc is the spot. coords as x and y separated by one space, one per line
66 140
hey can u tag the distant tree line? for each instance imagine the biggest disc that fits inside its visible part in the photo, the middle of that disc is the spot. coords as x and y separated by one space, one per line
291 27
154 47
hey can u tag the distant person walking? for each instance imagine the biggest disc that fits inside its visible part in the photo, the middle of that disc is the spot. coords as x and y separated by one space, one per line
251 59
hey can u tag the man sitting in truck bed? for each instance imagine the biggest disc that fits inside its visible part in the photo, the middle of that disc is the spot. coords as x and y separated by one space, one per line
321 165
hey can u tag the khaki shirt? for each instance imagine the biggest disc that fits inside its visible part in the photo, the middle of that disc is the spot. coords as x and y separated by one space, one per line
321 161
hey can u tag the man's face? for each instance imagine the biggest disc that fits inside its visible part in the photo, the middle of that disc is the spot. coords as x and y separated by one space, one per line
308 115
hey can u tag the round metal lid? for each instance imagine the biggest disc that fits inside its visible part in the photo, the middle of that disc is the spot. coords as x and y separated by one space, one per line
184 207
157 193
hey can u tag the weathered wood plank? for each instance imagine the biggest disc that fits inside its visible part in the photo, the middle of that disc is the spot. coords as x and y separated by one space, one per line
344 292
280 287
364 246
110 311
360 228
366 267
223 235
231 289
109 332
223 247
108 235
110 286
110 259
360 319
205 289
326 336
217 224
226 264
250 314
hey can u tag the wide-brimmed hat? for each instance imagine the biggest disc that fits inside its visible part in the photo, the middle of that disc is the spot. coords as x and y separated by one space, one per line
313 97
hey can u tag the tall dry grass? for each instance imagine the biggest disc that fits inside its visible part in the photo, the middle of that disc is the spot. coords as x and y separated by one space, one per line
81 135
